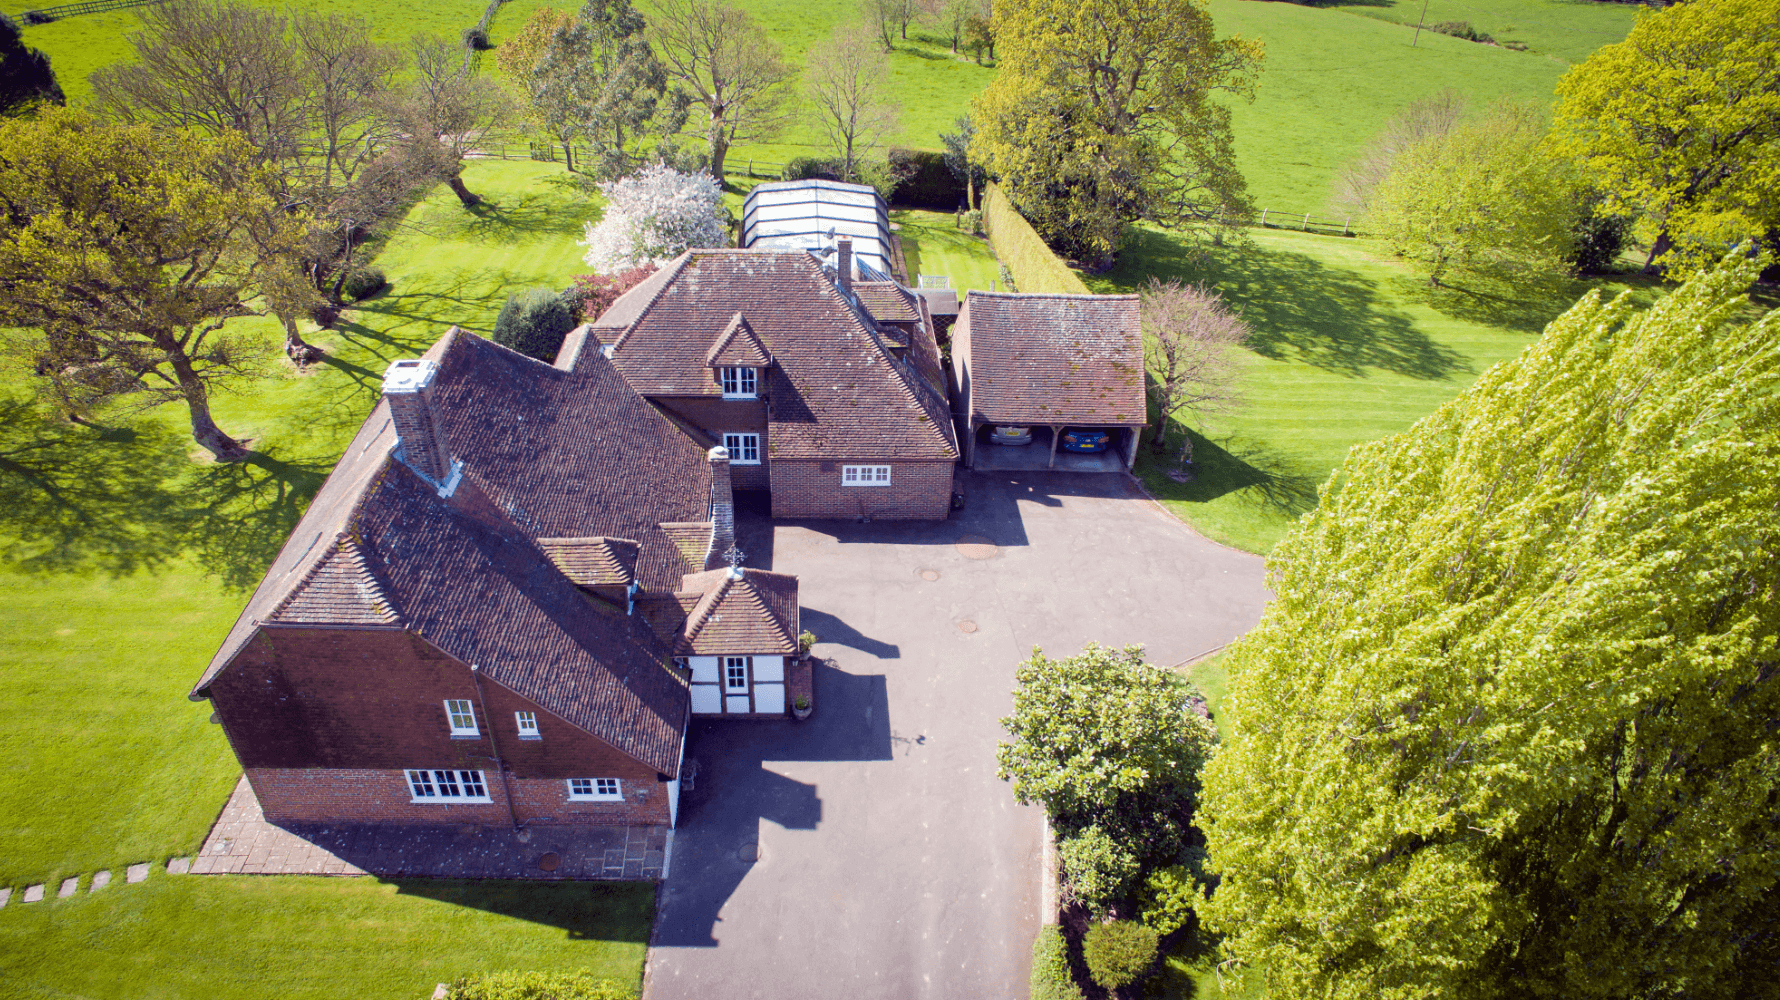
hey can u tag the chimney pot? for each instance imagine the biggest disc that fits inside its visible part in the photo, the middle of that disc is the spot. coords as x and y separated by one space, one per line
722 509
843 264
408 386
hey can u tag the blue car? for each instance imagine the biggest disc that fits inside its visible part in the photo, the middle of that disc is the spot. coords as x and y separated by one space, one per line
1080 440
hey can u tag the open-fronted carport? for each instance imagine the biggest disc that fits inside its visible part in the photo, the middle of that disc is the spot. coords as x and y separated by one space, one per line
1054 364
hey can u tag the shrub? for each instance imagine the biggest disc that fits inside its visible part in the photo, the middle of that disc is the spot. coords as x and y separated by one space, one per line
538 986
364 282
1007 280
1170 894
803 168
653 216
1097 869
1119 952
534 323
38 17
1051 978
477 38
806 642
1461 29
1599 239
973 222
923 180
592 294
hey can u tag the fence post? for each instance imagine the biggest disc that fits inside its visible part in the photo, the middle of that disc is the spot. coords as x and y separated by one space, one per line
1263 218
1344 223
1307 222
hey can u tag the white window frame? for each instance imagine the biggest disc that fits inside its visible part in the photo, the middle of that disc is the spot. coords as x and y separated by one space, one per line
446 786
740 446
865 475
725 665
740 383
596 790
528 725
457 710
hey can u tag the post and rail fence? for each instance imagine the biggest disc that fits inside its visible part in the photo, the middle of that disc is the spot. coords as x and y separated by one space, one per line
44 15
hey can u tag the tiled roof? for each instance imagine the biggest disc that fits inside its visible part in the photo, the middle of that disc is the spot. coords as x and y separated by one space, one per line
692 540
887 301
738 347
593 562
1053 359
755 614
547 453
836 390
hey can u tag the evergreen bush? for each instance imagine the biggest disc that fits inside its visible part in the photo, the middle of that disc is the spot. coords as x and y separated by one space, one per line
363 283
1119 952
477 38
1051 978
923 180
803 168
534 323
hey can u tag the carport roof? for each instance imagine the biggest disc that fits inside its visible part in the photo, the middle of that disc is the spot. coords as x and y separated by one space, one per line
1053 359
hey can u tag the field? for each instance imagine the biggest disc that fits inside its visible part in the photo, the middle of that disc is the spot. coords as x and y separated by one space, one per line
245 937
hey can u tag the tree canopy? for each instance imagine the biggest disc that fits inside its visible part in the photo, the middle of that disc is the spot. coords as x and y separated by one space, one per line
1103 112
1679 126
1508 728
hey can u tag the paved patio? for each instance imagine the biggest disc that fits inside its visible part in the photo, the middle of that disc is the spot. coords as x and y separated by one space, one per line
870 851
243 842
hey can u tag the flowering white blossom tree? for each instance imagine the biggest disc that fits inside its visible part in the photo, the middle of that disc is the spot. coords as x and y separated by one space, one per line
652 217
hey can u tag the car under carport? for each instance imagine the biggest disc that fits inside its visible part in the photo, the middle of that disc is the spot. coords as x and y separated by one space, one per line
1052 363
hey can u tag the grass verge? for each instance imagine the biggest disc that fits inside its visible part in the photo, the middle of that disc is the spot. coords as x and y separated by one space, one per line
932 243
309 938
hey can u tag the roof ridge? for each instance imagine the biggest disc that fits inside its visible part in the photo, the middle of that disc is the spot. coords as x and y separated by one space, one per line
347 546
760 604
672 270
701 612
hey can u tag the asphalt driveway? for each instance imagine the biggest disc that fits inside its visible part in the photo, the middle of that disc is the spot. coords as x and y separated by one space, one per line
870 852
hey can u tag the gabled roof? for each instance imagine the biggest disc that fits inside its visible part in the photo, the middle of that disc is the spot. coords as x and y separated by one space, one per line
547 453
837 392
593 562
887 301
692 541
1053 359
755 614
738 347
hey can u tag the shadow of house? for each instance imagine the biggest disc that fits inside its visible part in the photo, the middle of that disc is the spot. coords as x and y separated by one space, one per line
717 842
585 911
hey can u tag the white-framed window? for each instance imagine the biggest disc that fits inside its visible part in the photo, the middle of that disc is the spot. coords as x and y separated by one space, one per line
447 786
461 716
528 725
865 475
744 449
735 673
595 790
740 383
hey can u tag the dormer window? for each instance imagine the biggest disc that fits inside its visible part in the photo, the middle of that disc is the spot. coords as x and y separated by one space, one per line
739 383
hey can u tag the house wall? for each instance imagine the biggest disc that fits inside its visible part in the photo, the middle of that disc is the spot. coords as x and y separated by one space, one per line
328 719
713 416
368 795
809 488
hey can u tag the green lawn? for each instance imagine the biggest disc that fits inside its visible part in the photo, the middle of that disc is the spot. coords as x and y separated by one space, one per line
1565 30
221 937
1347 347
932 243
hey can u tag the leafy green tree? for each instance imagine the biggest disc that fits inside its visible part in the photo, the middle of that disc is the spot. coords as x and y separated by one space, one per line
131 250
1103 112
598 79
1679 125
1508 728
1484 196
729 69
1104 741
26 79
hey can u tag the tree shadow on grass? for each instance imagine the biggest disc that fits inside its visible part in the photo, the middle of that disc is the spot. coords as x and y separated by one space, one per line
1269 481
239 514
586 911
1298 308
1525 303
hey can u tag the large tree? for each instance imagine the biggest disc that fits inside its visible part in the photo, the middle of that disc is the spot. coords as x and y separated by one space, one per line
600 80
131 249
1679 127
1508 728
444 115
1483 195
1190 347
519 58
732 71
1105 112
845 78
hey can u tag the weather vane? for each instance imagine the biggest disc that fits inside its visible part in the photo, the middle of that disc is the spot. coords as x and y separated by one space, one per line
734 557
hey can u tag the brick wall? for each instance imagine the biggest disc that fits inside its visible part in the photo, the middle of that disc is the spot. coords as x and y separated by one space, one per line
917 491
357 795
713 416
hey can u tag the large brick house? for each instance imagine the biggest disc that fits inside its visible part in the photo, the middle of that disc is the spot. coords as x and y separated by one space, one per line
503 606
777 356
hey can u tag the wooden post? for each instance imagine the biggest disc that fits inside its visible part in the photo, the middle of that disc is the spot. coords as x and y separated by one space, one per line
1344 223
1263 218
1307 222
1418 24
1056 432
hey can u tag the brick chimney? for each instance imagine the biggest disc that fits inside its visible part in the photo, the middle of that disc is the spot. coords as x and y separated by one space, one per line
722 510
843 264
408 385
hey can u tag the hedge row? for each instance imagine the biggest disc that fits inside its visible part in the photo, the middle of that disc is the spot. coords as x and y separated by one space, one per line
1034 266
1051 979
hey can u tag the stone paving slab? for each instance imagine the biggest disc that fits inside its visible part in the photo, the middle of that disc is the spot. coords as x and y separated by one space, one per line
243 842
136 873
69 887
34 893
101 879
179 866
5 897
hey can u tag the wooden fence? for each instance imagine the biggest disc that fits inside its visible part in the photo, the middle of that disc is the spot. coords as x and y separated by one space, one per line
552 152
45 14
1273 218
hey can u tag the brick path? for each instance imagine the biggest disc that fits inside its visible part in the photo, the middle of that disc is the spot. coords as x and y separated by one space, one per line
242 842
